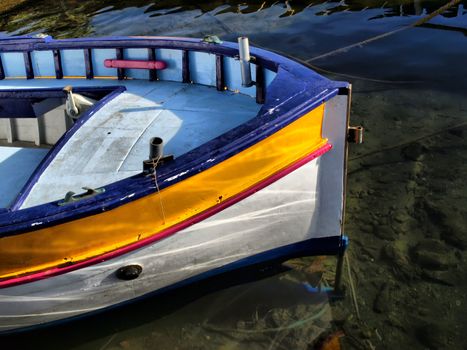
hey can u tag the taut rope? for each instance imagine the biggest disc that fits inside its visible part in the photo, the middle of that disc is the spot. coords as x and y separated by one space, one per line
384 35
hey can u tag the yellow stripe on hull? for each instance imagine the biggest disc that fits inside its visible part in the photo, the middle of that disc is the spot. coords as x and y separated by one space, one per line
95 235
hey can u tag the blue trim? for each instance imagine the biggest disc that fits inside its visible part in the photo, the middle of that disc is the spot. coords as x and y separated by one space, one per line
58 64
88 63
11 108
119 56
305 91
310 247
18 103
41 93
115 91
2 71
152 57
28 65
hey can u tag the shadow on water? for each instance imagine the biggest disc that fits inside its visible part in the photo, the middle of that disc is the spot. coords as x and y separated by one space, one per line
212 305
406 204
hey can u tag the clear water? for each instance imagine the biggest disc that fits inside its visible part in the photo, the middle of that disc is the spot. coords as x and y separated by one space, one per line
406 208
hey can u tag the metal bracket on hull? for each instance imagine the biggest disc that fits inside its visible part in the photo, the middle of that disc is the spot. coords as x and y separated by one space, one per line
71 197
355 134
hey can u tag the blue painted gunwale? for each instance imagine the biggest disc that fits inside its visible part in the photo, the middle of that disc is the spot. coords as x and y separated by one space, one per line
42 93
305 90
311 247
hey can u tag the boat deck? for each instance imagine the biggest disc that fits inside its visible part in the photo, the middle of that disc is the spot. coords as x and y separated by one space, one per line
113 143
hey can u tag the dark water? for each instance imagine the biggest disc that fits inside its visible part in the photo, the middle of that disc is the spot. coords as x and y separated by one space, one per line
407 193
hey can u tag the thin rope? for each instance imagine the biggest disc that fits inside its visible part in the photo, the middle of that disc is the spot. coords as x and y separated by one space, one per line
359 77
352 287
384 35
418 139
154 164
107 343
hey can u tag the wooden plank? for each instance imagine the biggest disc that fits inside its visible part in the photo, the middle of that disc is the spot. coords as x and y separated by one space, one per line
88 64
58 64
152 57
11 130
2 71
120 71
28 65
38 137
186 67
220 79
260 84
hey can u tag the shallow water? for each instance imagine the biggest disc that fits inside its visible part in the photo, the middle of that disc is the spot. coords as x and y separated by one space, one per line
406 209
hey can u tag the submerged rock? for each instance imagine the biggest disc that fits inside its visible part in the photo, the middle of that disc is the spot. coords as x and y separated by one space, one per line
401 217
456 230
431 254
382 301
366 228
396 255
393 319
434 212
452 224
459 132
413 152
447 278
434 336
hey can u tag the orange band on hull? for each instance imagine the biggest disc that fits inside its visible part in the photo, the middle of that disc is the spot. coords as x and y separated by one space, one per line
95 235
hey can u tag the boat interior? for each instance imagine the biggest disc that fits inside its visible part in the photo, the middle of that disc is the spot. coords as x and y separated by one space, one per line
45 152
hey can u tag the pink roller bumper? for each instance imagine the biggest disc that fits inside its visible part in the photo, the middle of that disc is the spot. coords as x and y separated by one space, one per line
135 64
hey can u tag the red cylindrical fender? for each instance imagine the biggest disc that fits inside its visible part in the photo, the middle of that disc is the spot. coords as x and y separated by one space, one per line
135 64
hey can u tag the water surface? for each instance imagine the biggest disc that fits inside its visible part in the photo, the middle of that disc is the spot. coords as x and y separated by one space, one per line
407 205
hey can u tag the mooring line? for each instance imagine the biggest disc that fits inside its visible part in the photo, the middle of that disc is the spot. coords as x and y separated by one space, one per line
359 77
352 287
418 139
384 35
154 164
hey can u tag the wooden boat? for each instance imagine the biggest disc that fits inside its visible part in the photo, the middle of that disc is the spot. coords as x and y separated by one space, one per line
95 213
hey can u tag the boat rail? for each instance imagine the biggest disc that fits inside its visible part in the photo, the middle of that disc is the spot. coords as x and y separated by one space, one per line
27 46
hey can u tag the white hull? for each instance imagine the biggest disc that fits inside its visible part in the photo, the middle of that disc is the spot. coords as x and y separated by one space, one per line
303 201
242 230
295 208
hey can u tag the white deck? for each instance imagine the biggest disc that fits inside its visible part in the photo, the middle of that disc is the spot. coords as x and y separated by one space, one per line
114 142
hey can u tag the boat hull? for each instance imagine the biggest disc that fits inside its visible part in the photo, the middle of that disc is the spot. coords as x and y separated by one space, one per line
278 215
270 188
292 216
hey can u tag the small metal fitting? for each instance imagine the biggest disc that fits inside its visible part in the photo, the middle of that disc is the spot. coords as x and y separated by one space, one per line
129 272
355 134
